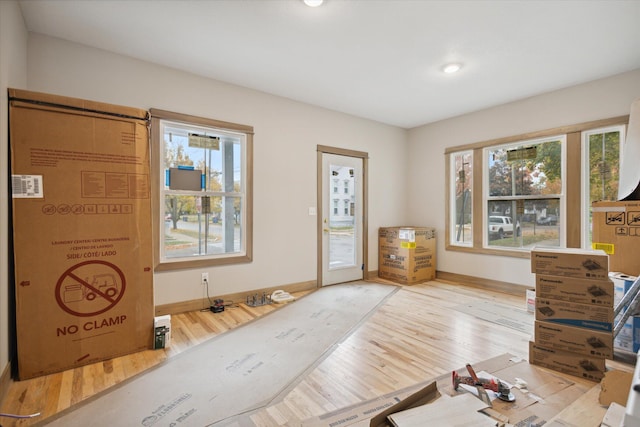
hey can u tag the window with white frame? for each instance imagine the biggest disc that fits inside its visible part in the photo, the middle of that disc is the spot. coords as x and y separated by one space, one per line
602 150
532 189
461 198
204 196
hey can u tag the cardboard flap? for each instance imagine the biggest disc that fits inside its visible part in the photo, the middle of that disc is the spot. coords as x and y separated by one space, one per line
421 397
45 101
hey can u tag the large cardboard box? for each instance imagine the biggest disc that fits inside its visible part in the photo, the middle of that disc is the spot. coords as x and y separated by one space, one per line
571 262
81 231
616 231
576 340
575 290
580 365
407 255
590 316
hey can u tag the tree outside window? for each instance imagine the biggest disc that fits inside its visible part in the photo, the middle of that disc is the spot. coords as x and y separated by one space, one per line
203 195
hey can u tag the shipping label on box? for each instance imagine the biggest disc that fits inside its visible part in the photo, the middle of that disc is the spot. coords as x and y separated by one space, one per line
576 340
616 231
592 265
588 316
82 231
580 365
575 290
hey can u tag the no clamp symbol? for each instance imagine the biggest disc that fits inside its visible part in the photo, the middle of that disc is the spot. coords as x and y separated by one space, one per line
90 288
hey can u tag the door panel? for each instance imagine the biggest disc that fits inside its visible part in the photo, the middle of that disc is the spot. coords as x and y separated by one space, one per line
342 230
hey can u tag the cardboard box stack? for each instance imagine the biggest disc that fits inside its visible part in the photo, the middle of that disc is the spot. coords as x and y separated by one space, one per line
616 230
573 330
407 255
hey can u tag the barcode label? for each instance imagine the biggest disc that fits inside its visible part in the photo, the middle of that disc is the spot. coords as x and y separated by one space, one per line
26 186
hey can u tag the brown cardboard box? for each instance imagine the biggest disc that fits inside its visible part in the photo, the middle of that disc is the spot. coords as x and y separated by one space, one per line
575 290
616 231
590 316
580 365
575 340
592 265
81 230
407 255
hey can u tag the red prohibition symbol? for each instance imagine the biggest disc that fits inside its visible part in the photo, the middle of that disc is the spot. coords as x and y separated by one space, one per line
90 288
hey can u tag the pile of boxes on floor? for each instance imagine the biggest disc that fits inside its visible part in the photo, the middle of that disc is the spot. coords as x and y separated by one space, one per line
616 230
574 309
577 292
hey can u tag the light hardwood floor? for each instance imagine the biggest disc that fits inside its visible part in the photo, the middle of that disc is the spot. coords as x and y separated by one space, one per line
414 336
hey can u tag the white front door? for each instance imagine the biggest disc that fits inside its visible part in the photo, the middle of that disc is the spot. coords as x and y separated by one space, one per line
342 218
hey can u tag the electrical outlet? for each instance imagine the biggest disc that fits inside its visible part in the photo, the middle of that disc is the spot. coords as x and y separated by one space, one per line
204 280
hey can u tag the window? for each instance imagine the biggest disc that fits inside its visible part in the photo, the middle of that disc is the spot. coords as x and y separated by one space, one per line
462 177
335 206
602 151
524 183
204 191
335 186
505 196
346 206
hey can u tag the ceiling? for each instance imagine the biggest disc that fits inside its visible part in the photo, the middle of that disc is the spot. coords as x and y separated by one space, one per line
377 59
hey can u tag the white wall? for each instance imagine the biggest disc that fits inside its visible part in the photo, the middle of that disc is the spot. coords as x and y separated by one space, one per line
599 99
13 73
286 136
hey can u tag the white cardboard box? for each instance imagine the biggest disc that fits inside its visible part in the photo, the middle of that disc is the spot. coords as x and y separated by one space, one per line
164 321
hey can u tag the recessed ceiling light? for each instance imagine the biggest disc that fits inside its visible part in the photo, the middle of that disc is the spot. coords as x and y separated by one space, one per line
452 68
313 3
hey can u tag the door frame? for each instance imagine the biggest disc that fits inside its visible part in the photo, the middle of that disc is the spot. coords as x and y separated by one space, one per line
324 149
